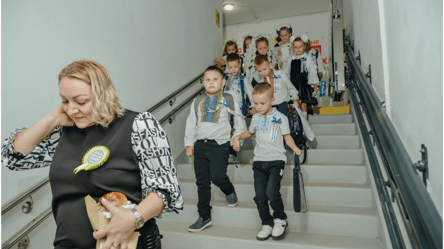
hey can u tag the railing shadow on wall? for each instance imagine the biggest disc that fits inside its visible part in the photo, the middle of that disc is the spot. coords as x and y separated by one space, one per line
27 194
419 214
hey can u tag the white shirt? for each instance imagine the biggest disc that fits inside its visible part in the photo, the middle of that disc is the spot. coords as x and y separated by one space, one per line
269 136
286 56
220 131
284 90
319 61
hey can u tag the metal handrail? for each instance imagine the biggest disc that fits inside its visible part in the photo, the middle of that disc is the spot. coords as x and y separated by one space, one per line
163 101
386 206
27 229
170 115
421 218
31 190
24 195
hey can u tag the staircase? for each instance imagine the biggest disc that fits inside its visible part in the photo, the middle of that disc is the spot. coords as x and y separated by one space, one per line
338 191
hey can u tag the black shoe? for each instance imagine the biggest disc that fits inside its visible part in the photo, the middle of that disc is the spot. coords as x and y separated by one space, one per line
232 200
200 225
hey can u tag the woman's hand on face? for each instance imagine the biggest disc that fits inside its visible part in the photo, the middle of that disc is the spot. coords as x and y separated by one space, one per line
60 117
253 111
120 229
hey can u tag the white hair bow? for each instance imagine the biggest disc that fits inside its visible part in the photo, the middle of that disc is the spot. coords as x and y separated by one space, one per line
285 26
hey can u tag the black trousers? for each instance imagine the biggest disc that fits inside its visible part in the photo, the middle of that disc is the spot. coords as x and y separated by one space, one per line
210 165
282 108
267 186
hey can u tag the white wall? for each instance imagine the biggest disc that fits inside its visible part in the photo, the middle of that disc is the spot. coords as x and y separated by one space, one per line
151 48
409 74
316 26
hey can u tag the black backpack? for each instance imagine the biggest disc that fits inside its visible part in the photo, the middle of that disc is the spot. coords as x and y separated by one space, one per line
297 131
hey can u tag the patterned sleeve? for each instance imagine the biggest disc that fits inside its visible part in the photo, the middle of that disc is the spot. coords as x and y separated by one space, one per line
156 162
40 157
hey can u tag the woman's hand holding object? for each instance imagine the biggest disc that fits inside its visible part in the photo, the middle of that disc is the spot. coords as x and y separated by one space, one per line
120 228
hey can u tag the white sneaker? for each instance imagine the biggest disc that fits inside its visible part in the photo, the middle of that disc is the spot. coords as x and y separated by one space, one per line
265 233
279 228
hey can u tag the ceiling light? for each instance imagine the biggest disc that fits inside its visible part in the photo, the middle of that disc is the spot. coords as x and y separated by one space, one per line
228 6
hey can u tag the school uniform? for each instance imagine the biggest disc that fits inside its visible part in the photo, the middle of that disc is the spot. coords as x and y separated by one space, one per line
283 92
269 162
251 74
210 135
303 75
236 87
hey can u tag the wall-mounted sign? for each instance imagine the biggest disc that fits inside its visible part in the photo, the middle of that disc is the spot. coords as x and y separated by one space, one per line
217 18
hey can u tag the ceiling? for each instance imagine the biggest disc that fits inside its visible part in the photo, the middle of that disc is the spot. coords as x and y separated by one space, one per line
245 10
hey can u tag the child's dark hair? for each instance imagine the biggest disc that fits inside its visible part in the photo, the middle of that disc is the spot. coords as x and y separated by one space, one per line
214 68
308 46
229 43
278 39
261 39
289 30
260 59
233 57
245 45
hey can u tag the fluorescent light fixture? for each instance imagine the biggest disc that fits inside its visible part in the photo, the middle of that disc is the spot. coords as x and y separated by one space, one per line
228 6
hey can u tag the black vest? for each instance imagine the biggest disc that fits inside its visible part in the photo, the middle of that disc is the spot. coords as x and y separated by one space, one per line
120 173
300 80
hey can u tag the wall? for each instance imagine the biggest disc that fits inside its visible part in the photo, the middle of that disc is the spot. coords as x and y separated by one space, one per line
402 40
151 48
316 26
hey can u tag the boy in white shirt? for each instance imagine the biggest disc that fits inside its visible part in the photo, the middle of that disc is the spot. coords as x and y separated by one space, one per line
270 126
283 89
235 82
207 137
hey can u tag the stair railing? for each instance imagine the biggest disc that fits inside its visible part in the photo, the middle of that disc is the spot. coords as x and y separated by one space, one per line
31 190
419 214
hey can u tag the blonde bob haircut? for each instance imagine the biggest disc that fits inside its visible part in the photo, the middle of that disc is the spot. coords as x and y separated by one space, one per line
105 104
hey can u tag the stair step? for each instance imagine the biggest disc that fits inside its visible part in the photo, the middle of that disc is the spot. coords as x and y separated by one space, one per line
324 142
315 156
338 142
334 129
351 221
311 173
339 194
334 156
331 119
176 236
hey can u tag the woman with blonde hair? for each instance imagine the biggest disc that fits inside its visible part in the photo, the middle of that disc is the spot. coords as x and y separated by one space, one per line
126 151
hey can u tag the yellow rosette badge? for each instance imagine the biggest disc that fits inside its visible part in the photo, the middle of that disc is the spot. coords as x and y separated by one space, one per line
94 158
